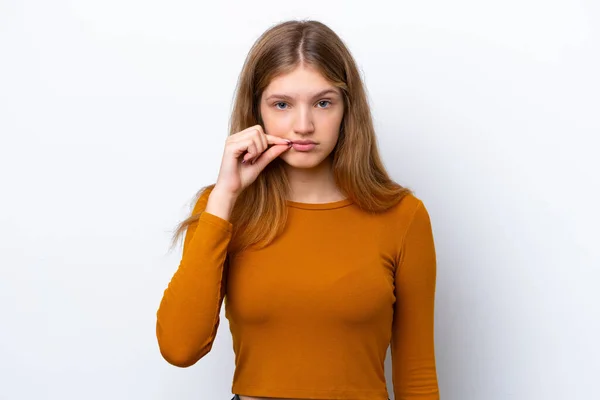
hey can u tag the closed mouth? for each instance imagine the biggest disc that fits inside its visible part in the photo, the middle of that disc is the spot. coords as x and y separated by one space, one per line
303 142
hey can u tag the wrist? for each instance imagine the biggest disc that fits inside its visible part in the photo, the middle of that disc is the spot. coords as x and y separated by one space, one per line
223 194
220 204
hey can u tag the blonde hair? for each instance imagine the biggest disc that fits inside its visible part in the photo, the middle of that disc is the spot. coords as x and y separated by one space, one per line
260 213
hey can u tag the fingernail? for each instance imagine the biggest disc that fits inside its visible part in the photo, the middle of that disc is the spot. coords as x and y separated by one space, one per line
289 141
243 161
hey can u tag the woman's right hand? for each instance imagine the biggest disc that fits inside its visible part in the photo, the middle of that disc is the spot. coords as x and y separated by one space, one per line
245 155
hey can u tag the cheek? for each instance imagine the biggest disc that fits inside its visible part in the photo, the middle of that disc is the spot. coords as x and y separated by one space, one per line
275 126
330 122
276 123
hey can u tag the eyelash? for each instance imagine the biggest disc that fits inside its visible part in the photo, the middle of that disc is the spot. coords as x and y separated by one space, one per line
283 102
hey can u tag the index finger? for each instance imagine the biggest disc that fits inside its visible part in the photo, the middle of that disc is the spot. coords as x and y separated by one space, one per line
276 139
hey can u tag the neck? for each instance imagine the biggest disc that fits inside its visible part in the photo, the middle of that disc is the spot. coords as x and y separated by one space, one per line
313 185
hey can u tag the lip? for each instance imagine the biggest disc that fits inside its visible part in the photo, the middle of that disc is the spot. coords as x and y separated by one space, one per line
307 146
303 142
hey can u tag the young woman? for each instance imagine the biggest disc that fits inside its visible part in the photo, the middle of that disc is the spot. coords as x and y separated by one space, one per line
321 259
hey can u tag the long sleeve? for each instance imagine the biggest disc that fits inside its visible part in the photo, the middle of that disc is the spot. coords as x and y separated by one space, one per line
188 315
412 348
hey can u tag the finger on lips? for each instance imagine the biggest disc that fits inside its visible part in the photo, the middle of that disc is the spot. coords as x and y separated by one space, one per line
286 142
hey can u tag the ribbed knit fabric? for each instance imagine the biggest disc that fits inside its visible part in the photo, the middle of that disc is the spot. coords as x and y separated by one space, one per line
312 314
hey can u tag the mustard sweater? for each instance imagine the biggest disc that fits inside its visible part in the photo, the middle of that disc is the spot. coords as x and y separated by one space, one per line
312 314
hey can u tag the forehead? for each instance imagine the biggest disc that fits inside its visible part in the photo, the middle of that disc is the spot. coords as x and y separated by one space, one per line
302 81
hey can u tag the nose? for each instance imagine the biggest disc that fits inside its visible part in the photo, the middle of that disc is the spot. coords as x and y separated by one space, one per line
303 123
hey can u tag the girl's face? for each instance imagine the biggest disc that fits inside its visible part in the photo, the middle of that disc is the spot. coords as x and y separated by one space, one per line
303 106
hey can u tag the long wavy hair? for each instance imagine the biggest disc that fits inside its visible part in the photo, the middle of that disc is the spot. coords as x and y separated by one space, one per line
259 214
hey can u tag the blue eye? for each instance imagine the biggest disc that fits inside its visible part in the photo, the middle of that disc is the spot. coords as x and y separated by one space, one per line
320 102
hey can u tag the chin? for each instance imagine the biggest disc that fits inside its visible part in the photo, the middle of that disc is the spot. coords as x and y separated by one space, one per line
303 160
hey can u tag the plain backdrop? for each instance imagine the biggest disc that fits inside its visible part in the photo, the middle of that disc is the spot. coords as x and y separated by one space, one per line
114 113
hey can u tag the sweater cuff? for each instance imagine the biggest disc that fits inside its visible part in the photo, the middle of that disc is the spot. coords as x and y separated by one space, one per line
217 221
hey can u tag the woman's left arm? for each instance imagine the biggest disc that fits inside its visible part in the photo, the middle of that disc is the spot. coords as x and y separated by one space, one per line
412 346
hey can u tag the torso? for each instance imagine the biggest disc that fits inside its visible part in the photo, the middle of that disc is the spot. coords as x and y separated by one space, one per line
349 280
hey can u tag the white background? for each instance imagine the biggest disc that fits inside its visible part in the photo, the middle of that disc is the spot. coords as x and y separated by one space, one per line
113 113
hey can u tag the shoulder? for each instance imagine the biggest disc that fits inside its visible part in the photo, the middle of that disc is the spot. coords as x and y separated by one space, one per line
409 207
413 229
409 214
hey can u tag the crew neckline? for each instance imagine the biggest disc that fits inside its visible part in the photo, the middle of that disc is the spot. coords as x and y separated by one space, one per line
319 206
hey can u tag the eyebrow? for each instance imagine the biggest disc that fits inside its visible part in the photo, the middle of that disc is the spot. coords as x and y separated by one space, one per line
286 97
